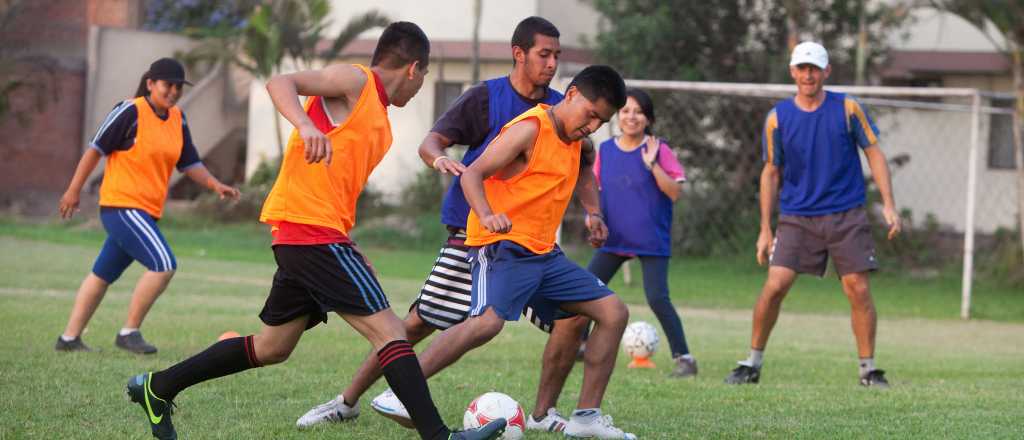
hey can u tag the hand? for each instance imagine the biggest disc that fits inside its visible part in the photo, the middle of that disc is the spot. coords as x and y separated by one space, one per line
764 247
226 191
650 151
893 220
498 223
447 165
68 204
318 146
598 230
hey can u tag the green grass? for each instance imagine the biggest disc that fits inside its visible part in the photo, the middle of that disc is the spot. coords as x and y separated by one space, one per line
951 378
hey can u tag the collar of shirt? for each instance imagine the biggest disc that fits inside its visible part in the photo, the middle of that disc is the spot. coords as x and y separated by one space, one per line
381 93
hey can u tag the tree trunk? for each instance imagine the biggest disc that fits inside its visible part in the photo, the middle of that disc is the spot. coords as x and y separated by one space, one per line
477 9
1018 131
862 44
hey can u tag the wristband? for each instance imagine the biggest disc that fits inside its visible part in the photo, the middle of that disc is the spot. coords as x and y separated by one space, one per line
434 165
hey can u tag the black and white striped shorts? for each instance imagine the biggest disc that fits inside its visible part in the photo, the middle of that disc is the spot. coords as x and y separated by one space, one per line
445 297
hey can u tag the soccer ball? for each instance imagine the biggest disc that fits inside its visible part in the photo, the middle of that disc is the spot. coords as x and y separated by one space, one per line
490 406
640 340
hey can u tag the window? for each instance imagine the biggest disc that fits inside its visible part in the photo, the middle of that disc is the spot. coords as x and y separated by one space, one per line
445 94
1000 138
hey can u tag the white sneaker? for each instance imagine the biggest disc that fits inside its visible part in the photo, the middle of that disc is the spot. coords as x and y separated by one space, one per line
601 427
335 410
388 405
551 422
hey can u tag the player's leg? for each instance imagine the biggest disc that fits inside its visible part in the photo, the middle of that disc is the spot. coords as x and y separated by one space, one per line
604 265
558 359
109 265
853 252
142 239
655 274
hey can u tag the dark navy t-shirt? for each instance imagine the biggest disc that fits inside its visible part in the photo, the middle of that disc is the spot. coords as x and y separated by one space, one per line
818 154
117 133
475 119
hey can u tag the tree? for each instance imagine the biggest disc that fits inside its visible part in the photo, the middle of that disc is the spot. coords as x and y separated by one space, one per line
737 41
1007 18
276 30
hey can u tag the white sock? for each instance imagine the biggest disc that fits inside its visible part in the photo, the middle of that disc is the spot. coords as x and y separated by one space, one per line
866 365
755 360
586 416
125 331
67 338
686 356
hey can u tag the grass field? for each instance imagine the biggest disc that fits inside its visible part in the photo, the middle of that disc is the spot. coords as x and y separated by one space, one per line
951 379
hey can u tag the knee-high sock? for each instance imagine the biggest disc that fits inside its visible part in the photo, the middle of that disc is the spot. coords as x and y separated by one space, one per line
226 357
402 370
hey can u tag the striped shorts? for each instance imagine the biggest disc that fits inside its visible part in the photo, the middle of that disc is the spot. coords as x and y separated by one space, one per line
445 297
132 235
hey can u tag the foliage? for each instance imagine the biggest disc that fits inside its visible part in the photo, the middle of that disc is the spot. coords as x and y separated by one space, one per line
190 16
24 69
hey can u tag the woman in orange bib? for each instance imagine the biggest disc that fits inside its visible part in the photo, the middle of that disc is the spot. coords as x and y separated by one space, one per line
143 139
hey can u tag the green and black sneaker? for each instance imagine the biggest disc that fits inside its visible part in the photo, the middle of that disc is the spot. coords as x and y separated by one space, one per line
158 411
492 430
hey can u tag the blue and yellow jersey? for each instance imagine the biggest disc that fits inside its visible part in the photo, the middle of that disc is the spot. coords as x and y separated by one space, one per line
818 154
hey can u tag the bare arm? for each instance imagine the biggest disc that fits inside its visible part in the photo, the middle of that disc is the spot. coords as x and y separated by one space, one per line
335 81
69 201
432 153
880 172
502 151
769 192
201 175
586 190
665 183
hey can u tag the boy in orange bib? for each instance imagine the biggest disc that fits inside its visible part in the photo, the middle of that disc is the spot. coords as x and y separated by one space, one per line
311 209
518 190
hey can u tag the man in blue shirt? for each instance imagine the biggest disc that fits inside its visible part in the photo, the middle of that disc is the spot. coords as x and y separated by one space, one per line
811 142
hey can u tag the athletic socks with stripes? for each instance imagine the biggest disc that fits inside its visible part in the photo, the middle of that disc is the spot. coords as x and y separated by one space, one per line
402 371
224 358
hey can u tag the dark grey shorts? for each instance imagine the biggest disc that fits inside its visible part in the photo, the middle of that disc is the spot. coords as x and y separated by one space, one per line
805 244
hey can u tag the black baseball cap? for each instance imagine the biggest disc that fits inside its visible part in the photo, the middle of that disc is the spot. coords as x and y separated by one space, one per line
167 69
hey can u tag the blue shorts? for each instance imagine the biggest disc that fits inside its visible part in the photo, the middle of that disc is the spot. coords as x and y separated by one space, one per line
131 235
507 277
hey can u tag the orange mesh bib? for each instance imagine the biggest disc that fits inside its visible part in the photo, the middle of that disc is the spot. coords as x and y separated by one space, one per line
535 199
138 177
325 195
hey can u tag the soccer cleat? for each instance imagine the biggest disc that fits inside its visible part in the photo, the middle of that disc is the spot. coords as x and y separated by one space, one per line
334 411
72 345
744 374
685 367
551 422
874 379
388 405
134 343
158 411
492 430
601 427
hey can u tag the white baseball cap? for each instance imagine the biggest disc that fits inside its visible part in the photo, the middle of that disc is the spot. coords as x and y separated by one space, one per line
809 52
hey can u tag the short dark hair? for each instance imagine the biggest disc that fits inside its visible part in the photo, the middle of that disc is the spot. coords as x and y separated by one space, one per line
526 31
601 82
401 43
645 103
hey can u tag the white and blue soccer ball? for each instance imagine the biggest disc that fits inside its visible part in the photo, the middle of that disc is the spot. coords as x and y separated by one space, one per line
491 406
640 340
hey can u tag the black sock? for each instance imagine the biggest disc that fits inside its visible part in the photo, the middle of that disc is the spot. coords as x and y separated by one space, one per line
221 359
402 370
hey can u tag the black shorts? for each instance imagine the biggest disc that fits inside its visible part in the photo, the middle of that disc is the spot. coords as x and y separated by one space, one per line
315 280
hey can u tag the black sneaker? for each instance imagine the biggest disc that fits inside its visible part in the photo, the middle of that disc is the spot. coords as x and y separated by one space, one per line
158 411
874 379
744 374
490 431
134 343
72 345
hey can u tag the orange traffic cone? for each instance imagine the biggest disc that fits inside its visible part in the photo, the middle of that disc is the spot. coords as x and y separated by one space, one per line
641 362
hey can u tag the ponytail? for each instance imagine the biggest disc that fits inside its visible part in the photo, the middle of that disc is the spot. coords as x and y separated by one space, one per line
142 91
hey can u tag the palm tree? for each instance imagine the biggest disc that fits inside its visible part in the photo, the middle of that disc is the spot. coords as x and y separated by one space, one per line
278 29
